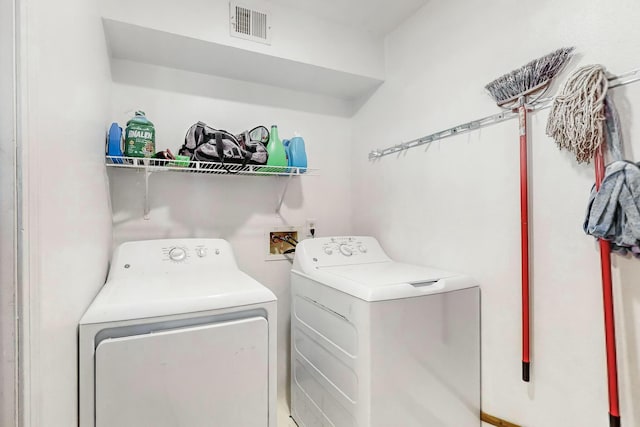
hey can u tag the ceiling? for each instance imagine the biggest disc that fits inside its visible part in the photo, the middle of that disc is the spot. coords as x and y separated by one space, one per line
377 16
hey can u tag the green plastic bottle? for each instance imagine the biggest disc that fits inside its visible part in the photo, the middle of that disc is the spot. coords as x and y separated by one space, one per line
275 149
140 137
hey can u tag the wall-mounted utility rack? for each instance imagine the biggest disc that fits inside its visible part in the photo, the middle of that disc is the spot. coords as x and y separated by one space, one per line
615 81
149 166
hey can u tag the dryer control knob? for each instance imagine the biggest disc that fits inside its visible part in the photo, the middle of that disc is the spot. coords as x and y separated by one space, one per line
346 250
362 249
201 252
328 251
177 254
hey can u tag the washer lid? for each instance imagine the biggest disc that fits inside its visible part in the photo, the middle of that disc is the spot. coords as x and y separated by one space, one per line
382 274
390 280
358 266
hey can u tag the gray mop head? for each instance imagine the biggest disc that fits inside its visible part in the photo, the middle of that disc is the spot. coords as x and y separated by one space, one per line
536 74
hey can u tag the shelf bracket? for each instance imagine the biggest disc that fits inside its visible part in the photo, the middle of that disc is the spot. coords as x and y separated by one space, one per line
284 193
147 209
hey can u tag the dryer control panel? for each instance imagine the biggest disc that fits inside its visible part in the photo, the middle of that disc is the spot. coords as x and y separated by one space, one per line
182 251
171 256
332 251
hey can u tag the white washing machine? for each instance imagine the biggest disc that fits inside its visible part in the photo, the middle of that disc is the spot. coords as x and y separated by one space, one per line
378 343
178 336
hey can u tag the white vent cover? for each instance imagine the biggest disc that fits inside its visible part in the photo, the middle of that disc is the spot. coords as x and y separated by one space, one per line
249 23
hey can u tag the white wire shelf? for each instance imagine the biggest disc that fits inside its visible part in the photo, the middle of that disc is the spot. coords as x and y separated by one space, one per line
162 165
150 165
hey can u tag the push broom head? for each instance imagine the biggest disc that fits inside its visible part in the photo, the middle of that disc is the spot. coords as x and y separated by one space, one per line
529 79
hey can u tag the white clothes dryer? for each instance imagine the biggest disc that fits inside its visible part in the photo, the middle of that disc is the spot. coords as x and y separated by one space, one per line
178 336
378 343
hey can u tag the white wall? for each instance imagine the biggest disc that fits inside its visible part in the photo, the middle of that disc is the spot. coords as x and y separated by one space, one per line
240 209
7 218
69 230
204 85
67 218
237 208
455 204
295 35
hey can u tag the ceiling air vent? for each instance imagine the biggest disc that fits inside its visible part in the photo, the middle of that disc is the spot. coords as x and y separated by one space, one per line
249 24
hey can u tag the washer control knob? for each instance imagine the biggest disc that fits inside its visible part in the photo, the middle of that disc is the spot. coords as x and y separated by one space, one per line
346 250
177 254
362 248
201 252
328 251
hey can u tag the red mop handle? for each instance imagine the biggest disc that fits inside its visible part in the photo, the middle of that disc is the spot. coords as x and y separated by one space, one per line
607 297
524 241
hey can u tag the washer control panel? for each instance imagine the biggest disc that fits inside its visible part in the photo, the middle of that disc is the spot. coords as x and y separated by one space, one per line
345 250
171 255
345 246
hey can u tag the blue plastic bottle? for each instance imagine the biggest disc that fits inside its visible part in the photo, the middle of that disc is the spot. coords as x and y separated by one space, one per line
114 143
296 153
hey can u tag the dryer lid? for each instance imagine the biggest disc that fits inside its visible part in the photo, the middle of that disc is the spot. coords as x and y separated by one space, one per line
145 282
155 296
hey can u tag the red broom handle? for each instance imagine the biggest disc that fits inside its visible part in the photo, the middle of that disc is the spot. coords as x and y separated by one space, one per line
524 241
609 319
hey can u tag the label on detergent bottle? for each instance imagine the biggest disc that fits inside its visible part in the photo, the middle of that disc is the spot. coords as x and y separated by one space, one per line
140 137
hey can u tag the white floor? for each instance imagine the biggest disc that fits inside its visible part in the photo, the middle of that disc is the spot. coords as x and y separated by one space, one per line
290 423
284 420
